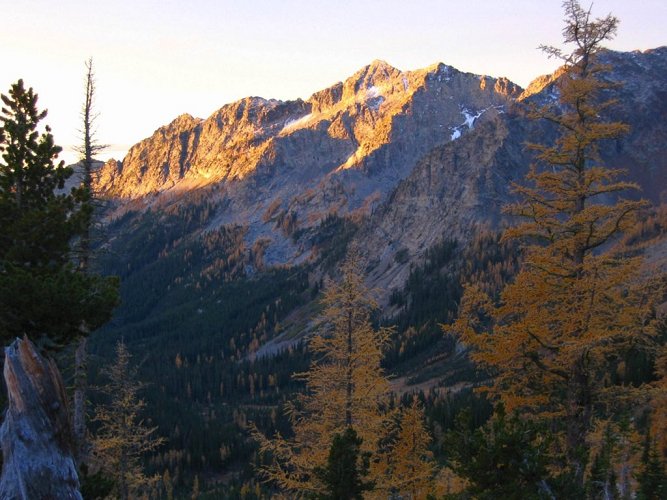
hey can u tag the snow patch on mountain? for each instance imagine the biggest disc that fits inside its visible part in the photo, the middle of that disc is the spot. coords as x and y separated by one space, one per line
297 123
470 118
372 92
469 122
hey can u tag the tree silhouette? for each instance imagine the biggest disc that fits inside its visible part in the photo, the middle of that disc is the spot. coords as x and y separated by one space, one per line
42 294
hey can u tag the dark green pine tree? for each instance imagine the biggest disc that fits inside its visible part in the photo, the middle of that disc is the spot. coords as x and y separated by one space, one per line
652 480
42 294
507 458
602 480
343 475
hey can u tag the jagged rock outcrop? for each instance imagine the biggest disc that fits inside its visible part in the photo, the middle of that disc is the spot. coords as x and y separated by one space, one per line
462 185
410 157
454 191
416 155
341 151
36 434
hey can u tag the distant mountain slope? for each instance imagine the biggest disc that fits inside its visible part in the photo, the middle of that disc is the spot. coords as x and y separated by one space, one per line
223 230
464 184
392 162
277 167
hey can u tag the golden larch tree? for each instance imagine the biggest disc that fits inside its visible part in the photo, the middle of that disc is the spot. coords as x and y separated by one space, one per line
345 387
123 438
577 303
410 469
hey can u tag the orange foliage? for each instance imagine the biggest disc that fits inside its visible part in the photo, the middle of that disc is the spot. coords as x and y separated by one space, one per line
577 304
345 387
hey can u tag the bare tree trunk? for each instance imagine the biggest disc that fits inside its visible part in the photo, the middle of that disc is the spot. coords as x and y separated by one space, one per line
36 437
80 386
349 386
89 148
87 151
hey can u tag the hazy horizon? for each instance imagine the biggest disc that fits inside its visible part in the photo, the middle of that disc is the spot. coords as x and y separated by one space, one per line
156 60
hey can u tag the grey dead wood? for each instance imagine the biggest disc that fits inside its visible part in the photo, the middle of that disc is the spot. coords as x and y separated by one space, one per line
36 434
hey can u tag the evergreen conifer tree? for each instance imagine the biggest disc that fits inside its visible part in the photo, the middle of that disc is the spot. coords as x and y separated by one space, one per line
346 467
602 479
42 294
507 458
652 479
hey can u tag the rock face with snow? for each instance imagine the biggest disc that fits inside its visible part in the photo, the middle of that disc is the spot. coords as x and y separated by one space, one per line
452 192
462 185
36 434
415 156
342 151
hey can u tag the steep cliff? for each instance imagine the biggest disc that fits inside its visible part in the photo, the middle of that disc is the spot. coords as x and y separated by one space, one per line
341 151
463 185
407 158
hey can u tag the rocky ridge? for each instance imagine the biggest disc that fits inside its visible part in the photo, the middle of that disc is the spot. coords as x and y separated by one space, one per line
416 156
461 186
342 151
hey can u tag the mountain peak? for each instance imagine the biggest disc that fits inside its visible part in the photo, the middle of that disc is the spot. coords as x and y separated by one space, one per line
381 64
181 123
371 75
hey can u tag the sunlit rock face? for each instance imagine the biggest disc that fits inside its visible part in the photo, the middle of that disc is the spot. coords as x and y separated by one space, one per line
461 186
414 155
341 151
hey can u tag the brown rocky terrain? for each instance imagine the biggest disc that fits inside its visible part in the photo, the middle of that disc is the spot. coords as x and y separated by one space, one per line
463 185
413 157
344 150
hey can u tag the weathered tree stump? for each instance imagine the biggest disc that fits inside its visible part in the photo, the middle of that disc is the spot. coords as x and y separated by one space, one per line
36 435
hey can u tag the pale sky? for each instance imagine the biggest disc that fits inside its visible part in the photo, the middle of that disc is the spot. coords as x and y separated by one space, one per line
156 59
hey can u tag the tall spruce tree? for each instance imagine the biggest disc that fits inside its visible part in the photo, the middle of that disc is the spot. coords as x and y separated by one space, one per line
577 304
507 458
653 478
42 294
